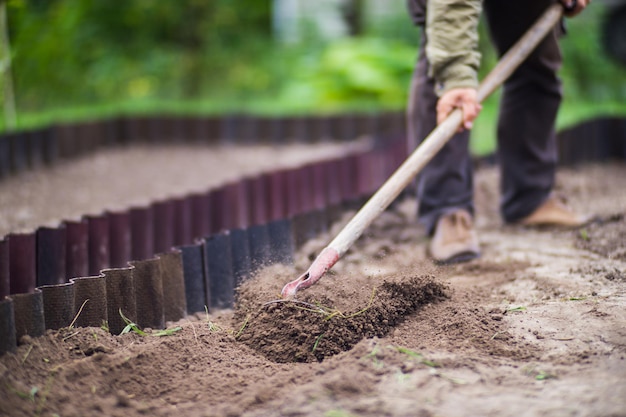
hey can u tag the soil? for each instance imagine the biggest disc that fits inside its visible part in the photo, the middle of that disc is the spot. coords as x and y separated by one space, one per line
536 326
120 178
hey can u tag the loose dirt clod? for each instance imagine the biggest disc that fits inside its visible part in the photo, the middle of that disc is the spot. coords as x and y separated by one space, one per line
310 330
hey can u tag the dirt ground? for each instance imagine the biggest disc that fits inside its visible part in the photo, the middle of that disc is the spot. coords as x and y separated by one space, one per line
535 327
117 179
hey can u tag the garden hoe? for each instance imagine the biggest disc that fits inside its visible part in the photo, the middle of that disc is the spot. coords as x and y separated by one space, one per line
422 155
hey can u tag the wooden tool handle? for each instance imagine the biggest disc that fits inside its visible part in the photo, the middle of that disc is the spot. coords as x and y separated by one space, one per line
422 155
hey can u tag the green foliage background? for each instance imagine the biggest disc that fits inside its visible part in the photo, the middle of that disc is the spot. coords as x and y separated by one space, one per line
80 59
68 53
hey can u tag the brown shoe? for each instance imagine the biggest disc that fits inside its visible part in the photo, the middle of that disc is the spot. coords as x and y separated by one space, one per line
455 239
554 212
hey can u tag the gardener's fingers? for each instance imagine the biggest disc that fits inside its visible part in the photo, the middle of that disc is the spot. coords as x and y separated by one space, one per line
463 98
444 108
470 112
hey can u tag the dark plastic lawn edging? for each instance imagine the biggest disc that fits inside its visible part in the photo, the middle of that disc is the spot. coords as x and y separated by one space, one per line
137 261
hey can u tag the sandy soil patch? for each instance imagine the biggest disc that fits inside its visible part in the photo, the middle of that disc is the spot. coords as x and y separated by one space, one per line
535 327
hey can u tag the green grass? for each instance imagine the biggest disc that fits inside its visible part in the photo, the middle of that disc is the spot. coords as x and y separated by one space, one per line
571 113
212 326
338 413
266 106
317 342
132 327
243 327
584 234
35 395
30 395
483 136
538 374
417 356
253 73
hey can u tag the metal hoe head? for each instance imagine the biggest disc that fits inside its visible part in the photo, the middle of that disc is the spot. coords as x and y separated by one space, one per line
318 268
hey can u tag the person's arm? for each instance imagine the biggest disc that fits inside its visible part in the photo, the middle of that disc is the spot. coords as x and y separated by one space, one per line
452 52
452 43
455 63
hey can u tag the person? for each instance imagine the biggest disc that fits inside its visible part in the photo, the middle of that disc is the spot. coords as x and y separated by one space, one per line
445 77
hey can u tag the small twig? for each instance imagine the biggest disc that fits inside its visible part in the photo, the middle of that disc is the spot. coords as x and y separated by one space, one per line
328 313
313 307
80 310
193 328
71 335
30 348
336 313
368 305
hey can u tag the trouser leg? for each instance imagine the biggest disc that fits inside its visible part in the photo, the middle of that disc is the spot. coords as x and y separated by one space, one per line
527 150
445 183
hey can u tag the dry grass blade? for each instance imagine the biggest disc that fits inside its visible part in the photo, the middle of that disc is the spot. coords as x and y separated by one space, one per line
212 326
243 326
418 356
30 348
167 332
80 310
327 312
132 327
309 307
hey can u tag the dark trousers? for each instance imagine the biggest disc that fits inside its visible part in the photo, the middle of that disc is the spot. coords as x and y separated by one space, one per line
527 153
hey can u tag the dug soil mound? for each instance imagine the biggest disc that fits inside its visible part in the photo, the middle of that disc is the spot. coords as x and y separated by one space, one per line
312 329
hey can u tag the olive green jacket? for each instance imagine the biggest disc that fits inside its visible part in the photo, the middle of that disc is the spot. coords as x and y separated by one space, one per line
452 42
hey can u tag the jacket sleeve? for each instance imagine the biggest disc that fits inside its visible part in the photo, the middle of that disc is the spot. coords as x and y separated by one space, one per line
452 43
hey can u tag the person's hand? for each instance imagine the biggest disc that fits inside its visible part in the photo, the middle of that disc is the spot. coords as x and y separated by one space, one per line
463 98
576 6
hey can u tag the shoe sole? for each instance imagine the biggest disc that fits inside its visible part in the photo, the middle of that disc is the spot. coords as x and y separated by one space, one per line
555 225
456 259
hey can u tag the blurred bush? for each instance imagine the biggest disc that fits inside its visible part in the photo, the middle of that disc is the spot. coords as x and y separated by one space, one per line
68 52
220 55
588 72
359 72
